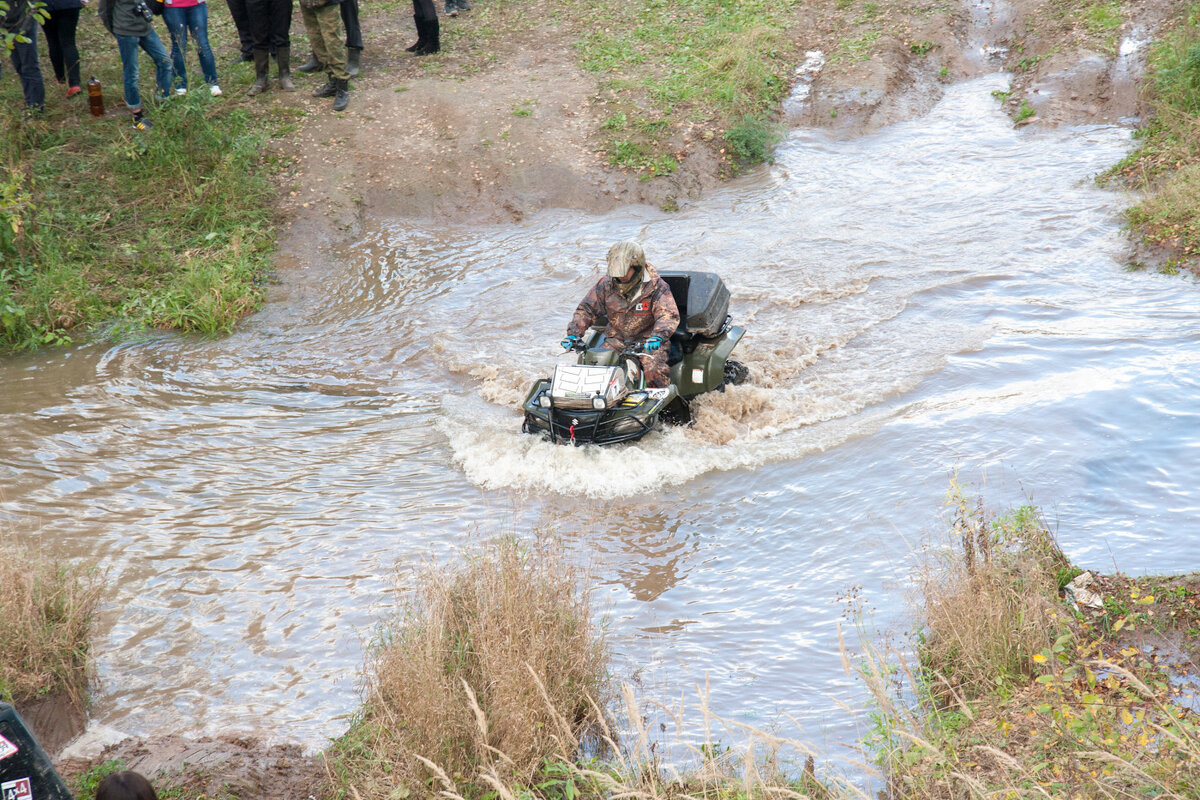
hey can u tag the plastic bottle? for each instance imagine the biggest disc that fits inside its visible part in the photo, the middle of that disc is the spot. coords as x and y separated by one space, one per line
95 97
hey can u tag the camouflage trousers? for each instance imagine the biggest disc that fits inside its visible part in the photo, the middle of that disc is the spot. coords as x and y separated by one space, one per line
325 36
658 374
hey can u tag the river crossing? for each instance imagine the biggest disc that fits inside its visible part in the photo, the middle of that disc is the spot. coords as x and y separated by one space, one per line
944 295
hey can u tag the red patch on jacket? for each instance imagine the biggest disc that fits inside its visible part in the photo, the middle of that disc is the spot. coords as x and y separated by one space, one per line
642 307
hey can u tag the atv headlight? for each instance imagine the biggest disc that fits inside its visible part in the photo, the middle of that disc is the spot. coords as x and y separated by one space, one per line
629 424
598 403
544 400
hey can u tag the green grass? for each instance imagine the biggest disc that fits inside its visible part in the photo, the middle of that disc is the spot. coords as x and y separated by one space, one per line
1165 169
663 65
170 228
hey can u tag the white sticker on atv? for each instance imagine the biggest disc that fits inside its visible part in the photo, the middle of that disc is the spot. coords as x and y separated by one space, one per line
20 789
7 748
657 394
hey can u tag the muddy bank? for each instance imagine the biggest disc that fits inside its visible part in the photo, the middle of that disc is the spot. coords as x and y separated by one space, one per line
224 767
505 122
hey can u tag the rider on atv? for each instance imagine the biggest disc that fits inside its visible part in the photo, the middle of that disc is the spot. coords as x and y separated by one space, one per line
638 306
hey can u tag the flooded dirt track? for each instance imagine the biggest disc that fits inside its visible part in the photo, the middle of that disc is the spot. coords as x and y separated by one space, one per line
942 295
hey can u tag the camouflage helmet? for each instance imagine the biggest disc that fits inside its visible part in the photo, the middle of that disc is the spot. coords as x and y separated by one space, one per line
624 254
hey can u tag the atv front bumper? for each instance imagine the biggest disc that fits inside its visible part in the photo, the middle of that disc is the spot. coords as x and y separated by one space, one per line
631 419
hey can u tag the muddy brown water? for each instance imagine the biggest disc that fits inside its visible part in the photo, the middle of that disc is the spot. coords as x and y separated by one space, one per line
943 295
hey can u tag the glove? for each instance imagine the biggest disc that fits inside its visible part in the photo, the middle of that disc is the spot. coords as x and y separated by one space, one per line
569 342
652 344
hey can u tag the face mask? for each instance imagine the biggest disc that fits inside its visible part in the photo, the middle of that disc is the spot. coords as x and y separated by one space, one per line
628 289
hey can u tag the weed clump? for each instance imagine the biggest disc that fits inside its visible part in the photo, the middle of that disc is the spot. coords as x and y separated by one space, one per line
47 609
1020 693
752 139
987 606
488 673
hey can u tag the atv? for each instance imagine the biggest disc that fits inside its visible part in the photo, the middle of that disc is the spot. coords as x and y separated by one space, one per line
603 399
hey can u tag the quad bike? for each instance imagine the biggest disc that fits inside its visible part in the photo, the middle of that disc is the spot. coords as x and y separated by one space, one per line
603 398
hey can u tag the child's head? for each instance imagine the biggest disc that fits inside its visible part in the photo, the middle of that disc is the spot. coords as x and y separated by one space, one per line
125 786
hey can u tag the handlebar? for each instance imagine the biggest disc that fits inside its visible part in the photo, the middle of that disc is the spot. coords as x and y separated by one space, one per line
579 345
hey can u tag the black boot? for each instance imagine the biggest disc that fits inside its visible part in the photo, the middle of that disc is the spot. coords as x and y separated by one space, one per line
329 89
341 97
283 61
262 72
417 45
433 43
312 65
353 59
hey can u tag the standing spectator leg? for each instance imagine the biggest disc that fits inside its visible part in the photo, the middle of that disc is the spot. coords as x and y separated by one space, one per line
25 63
67 21
176 19
197 21
128 46
326 38
354 40
281 42
163 73
259 14
54 46
241 21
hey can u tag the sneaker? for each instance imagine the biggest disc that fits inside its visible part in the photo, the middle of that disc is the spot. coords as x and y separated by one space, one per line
214 90
141 123
181 90
74 90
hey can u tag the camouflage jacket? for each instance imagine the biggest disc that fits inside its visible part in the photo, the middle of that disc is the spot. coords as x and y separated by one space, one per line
652 311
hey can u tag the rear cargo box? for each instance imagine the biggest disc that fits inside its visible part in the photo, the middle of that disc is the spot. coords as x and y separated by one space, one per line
703 301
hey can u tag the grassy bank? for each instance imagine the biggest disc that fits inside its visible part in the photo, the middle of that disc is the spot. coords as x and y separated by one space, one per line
1166 166
1020 693
674 76
47 608
99 223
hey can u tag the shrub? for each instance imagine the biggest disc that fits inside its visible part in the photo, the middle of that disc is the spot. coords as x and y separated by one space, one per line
47 608
752 139
988 606
490 671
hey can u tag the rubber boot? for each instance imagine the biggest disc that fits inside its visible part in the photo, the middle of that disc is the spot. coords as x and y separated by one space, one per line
312 65
329 89
262 72
417 45
433 43
353 58
341 97
283 61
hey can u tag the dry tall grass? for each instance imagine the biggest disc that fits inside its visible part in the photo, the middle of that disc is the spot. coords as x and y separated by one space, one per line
987 603
1018 695
492 682
490 669
47 608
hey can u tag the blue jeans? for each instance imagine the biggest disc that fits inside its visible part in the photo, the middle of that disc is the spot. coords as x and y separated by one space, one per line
24 59
179 22
129 64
